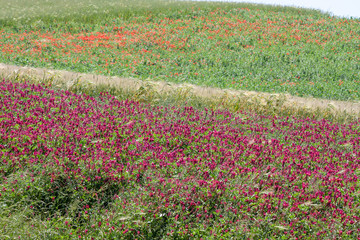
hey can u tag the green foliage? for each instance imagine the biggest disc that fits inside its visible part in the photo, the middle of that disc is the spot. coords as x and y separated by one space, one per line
38 204
268 48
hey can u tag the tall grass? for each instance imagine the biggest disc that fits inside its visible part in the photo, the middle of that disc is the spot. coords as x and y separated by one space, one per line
20 11
149 92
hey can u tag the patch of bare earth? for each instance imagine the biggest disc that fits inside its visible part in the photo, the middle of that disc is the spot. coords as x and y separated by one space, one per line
348 107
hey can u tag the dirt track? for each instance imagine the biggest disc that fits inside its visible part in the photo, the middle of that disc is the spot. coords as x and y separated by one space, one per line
206 92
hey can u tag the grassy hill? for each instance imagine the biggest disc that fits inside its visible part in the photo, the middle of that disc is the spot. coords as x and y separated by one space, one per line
226 45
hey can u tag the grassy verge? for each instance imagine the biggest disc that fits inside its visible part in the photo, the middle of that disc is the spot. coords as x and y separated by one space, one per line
151 93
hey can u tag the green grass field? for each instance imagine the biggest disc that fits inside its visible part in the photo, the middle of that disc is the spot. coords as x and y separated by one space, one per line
236 46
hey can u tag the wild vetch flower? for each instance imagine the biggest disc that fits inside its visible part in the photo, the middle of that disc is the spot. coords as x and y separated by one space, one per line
178 163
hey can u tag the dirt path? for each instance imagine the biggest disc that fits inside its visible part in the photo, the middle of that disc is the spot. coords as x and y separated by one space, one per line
206 92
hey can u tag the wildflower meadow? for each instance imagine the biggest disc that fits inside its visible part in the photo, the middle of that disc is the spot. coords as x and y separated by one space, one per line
86 163
89 166
304 53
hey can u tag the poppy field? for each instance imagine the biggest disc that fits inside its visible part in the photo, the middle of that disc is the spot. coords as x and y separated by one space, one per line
76 166
235 46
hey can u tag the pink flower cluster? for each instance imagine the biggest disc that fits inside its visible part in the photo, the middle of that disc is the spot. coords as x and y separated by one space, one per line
228 173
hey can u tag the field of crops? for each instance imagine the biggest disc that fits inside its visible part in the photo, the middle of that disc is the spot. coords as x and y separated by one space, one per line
237 46
95 166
